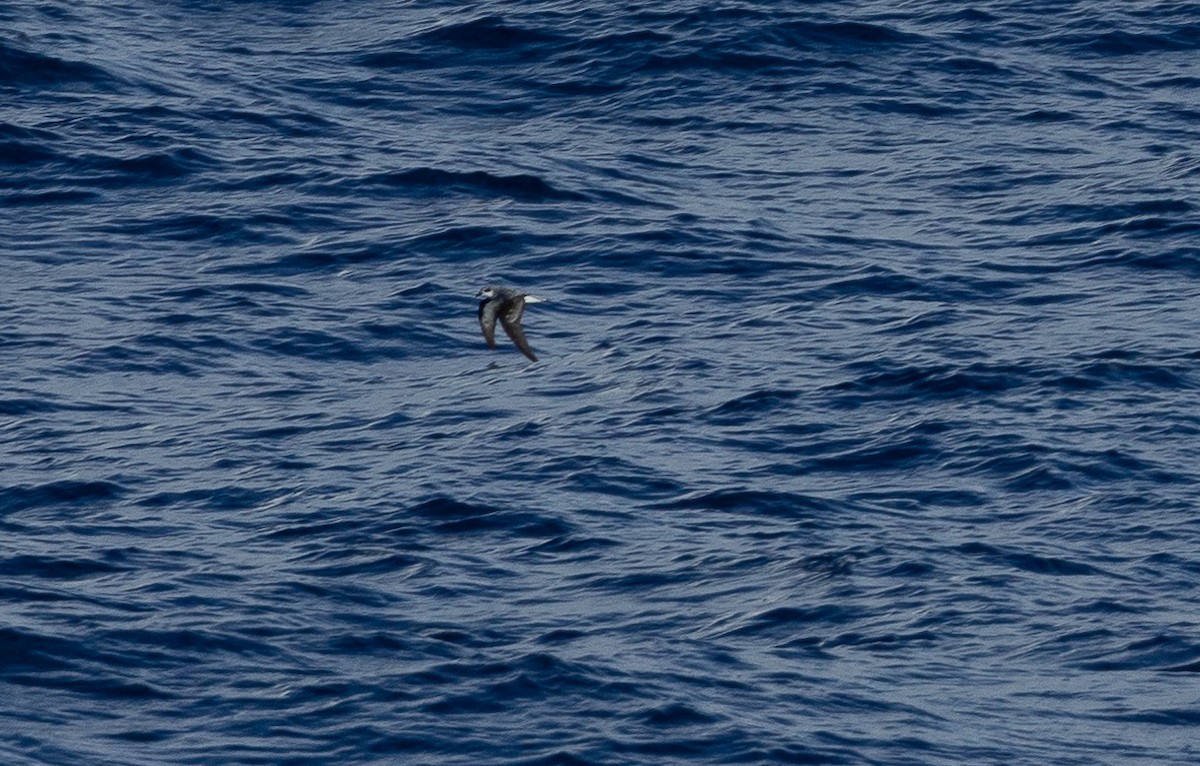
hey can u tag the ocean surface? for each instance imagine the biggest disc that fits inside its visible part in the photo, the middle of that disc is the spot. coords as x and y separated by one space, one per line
865 427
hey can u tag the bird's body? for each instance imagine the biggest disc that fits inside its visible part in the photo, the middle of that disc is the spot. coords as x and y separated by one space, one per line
507 305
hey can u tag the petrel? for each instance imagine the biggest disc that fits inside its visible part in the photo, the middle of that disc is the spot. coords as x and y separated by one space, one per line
507 305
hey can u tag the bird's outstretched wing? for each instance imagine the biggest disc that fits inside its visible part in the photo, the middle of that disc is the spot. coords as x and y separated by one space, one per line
487 322
511 322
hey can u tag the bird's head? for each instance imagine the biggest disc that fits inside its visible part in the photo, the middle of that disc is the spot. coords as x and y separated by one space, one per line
486 292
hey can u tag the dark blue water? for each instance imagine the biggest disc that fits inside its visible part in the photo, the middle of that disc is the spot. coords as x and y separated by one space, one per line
865 428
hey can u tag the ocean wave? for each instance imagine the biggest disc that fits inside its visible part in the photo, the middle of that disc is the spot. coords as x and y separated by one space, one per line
22 68
64 492
526 188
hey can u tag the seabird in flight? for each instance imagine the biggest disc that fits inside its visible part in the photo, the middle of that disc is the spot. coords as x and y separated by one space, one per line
507 305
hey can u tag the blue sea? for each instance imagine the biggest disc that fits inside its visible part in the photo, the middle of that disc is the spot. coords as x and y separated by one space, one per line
865 426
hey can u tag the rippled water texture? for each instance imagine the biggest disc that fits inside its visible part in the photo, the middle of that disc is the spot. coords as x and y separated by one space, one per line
864 429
